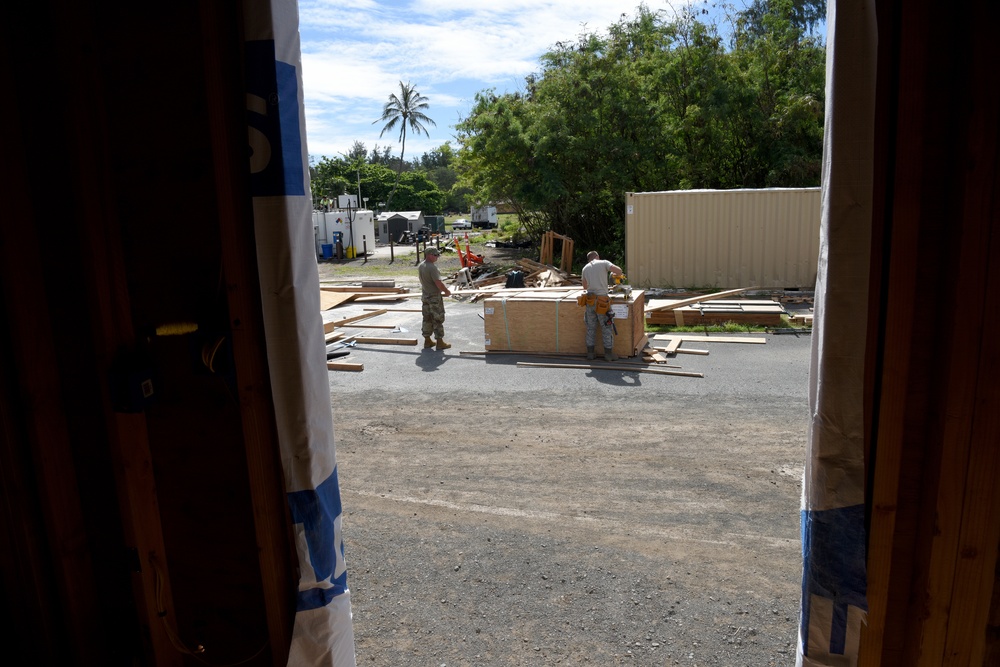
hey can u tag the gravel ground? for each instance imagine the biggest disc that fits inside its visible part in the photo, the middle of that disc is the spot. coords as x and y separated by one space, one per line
498 515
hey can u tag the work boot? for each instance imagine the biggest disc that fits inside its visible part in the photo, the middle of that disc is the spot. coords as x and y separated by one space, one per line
428 342
441 345
590 352
609 355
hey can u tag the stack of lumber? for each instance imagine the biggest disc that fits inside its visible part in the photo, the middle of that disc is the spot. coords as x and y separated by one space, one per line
333 296
715 309
550 320
801 318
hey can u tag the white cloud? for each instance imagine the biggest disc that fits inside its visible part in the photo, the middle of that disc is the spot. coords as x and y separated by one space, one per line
355 53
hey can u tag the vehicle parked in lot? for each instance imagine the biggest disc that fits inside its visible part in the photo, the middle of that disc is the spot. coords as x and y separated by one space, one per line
461 223
484 217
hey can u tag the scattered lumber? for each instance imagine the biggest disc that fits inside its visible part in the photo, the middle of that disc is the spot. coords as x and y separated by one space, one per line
385 297
612 367
654 356
338 337
365 290
370 326
331 296
683 350
344 366
740 311
369 340
704 297
330 326
713 339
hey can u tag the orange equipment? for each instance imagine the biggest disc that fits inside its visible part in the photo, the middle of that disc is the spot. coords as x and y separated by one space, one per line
468 258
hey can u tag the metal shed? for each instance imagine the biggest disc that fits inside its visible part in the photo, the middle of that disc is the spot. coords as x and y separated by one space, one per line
723 238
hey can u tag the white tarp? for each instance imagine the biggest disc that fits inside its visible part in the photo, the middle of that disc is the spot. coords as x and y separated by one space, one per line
323 634
834 577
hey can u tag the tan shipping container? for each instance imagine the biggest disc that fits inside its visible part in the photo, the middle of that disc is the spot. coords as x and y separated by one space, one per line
723 239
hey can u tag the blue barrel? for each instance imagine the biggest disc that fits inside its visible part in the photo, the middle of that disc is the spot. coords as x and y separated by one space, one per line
327 249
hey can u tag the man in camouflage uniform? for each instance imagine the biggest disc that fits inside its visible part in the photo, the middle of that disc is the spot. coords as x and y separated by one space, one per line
432 293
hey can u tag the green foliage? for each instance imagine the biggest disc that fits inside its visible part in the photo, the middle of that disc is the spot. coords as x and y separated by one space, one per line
405 110
650 105
415 189
725 327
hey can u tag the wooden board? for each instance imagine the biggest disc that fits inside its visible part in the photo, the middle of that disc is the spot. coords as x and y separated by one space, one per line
344 366
328 300
551 321
368 340
678 303
330 326
713 339
612 367
763 312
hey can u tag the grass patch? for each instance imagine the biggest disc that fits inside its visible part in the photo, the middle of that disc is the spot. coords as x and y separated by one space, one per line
334 270
725 327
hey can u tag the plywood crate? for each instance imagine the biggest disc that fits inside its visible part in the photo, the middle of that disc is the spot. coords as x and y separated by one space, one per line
550 320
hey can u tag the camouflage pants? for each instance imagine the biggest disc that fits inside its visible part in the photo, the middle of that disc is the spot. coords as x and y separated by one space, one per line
432 308
593 320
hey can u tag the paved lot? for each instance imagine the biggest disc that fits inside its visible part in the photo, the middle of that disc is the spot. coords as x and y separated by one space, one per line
497 515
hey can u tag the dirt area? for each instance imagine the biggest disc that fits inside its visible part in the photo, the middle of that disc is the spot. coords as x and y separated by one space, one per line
495 516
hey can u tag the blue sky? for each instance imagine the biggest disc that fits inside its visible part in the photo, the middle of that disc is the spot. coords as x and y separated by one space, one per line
355 53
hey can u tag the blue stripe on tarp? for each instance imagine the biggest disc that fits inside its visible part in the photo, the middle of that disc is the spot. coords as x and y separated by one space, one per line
316 598
274 123
291 134
317 510
833 556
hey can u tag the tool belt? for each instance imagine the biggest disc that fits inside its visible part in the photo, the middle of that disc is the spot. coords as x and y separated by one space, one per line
601 304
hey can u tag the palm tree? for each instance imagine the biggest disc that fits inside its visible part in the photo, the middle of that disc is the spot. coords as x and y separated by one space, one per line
405 109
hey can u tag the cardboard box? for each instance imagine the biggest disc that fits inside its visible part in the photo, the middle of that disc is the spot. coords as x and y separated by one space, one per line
549 320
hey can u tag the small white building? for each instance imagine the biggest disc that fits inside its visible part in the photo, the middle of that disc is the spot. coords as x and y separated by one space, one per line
393 223
354 229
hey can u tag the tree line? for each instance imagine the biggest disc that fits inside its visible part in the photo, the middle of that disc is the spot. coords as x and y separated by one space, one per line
652 103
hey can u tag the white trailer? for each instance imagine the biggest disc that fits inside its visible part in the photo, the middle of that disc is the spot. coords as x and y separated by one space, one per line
354 230
484 217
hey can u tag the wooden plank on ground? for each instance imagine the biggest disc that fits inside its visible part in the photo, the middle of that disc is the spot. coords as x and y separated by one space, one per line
673 344
386 297
344 366
328 300
368 326
683 350
330 326
612 367
395 310
364 290
712 339
369 340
